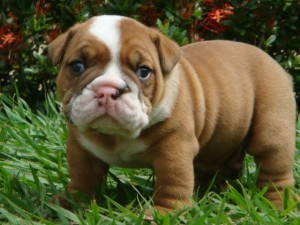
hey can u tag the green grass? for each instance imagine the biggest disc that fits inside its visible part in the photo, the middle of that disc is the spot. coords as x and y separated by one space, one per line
33 168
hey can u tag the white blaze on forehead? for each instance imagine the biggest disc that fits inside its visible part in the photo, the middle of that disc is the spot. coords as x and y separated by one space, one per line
106 29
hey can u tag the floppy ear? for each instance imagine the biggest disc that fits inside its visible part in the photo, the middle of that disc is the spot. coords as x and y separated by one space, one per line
168 51
57 48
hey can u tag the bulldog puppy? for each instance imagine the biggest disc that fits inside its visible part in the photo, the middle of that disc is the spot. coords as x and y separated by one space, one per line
134 98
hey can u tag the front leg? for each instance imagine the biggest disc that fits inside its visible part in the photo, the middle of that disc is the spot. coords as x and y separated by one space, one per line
87 173
173 167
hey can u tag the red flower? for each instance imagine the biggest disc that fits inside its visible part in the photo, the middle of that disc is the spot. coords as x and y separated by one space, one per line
213 20
219 14
8 38
11 42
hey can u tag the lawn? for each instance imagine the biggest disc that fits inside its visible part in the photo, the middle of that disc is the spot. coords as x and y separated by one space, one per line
33 168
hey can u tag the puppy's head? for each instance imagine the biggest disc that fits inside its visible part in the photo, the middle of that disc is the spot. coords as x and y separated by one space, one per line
113 73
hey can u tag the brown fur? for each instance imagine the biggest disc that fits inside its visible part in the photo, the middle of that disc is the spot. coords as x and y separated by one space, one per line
233 99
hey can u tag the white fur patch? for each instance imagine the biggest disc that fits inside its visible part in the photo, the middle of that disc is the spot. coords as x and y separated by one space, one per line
106 29
164 109
122 155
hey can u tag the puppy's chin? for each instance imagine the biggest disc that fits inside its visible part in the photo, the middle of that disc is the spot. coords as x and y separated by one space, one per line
109 126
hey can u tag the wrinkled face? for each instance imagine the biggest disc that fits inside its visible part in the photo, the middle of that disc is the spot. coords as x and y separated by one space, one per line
111 76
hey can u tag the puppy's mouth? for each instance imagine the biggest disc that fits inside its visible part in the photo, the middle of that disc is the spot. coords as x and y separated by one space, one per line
108 125
109 110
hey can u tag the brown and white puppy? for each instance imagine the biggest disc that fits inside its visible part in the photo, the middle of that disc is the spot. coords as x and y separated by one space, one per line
134 98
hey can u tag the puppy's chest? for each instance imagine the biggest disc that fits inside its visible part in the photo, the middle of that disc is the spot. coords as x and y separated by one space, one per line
124 153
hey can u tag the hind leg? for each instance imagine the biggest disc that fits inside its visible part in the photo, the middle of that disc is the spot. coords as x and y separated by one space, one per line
272 145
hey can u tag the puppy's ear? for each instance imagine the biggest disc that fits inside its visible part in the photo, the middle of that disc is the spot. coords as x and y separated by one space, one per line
57 48
168 51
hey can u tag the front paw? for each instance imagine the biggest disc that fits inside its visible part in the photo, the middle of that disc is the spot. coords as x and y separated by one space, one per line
156 214
151 213
61 201
70 199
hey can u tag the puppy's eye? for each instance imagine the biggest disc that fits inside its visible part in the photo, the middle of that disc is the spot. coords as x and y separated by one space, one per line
143 72
77 67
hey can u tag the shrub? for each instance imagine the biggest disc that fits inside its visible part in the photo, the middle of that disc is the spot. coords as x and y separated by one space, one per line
28 26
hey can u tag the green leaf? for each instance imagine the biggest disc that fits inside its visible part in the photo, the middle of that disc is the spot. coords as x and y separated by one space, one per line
270 40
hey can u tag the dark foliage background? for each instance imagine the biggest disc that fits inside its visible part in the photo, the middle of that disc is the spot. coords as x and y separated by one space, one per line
26 27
